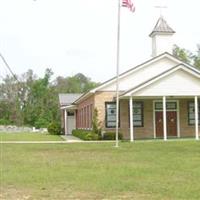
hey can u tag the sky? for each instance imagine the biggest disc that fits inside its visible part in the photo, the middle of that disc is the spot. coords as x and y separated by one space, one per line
80 36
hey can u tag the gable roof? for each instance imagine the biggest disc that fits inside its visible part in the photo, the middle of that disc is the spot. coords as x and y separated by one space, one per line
162 27
126 73
152 60
87 94
162 75
68 99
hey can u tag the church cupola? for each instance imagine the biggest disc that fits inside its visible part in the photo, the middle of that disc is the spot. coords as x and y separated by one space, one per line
161 37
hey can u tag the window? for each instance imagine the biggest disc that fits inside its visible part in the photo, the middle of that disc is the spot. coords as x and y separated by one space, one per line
70 113
110 114
138 114
169 105
191 113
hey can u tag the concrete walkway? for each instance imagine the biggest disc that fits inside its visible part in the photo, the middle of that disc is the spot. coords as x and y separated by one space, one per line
67 139
33 142
71 138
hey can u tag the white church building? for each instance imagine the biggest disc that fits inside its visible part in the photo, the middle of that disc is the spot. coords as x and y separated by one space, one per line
158 98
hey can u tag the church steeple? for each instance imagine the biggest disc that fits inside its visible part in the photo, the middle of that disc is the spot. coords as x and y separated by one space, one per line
161 37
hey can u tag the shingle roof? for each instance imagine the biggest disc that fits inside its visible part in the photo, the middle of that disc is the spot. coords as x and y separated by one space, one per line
68 99
162 27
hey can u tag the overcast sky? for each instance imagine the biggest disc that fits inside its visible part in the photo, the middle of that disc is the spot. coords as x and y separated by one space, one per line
72 36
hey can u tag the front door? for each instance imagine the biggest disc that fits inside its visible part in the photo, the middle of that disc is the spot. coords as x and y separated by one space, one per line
71 122
171 123
159 124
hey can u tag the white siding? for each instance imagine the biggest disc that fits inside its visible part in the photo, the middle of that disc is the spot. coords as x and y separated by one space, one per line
141 75
162 43
180 83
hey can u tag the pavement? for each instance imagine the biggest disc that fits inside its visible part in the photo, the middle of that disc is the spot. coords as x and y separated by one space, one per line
66 139
71 139
33 142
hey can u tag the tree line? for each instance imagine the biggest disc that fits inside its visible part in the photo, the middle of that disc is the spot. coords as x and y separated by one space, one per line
32 101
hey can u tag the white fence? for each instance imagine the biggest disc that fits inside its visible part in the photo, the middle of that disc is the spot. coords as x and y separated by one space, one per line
14 129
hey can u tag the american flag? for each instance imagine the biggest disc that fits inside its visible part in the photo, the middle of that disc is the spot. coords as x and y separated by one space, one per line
128 4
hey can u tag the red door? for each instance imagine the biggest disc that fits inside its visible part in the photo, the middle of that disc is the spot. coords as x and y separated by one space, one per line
171 123
159 124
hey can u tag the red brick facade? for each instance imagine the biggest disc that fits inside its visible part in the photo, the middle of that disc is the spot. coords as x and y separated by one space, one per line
84 113
98 100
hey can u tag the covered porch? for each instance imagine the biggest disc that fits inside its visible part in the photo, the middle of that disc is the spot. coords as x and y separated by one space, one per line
68 118
159 117
170 104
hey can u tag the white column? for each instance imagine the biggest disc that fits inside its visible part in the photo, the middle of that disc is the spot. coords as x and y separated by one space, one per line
89 119
76 118
196 118
178 120
131 119
164 118
154 121
65 121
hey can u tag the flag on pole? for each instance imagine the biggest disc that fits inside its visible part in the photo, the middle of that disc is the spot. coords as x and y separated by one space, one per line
128 4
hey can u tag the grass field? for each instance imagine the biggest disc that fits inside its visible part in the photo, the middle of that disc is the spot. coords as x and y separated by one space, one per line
28 137
143 170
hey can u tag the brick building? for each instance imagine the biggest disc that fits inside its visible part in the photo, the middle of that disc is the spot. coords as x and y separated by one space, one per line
158 98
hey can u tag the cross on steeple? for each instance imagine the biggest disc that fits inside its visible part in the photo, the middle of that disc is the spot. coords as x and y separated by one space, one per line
161 7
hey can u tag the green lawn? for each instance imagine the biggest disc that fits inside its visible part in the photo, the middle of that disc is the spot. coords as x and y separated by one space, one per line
142 170
28 137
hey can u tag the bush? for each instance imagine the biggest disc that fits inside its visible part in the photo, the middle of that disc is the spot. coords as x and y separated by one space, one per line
85 134
111 136
41 123
54 128
5 122
96 124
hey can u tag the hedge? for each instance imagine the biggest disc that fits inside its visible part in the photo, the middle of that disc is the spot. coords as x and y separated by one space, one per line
111 136
90 135
85 134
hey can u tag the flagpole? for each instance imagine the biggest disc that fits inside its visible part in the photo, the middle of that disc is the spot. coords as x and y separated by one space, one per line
117 74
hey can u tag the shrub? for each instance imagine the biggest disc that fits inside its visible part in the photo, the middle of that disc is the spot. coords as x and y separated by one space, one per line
41 123
111 136
54 128
96 124
85 134
5 122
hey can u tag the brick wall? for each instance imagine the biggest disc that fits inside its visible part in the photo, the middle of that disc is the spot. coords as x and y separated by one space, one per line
84 113
147 131
185 129
139 132
100 99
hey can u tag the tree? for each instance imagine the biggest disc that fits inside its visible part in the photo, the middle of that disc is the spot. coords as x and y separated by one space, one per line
196 57
182 54
78 83
10 106
39 107
96 124
187 56
33 101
